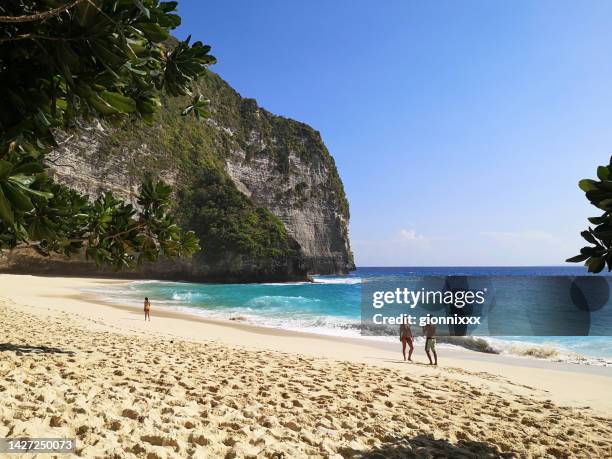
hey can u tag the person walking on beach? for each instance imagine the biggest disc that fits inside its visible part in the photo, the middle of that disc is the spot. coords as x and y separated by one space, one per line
406 339
429 331
147 309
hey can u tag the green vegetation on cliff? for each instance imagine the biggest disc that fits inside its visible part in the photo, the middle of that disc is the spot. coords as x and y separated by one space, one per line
208 201
228 221
243 117
225 220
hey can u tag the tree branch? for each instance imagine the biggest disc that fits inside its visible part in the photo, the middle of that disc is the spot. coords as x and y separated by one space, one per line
138 226
41 16
30 36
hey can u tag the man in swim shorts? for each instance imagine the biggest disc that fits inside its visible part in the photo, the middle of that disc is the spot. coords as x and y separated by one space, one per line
429 331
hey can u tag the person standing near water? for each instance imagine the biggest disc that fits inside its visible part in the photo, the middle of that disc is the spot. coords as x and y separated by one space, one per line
429 331
406 338
147 309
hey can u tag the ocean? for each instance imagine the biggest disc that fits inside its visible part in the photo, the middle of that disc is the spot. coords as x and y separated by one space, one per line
331 306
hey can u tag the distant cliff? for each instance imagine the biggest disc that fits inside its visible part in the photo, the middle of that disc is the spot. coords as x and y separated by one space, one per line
261 191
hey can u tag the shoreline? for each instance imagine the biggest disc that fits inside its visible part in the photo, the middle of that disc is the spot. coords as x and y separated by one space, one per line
167 312
524 350
50 296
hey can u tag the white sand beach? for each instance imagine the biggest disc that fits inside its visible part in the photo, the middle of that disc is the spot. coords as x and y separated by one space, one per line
184 386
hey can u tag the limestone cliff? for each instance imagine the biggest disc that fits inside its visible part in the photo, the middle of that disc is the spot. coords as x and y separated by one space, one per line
260 190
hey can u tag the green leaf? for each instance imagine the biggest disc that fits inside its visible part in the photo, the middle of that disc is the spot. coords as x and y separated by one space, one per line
20 232
109 56
168 7
577 258
22 180
599 220
592 251
605 235
587 185
119 102
152 31
18 199
603 172
589 237
143 9
149 105
189 244
101 106
5 169
137 71
596 264
197 107
42 120
6 212
25 188
172 21
40 194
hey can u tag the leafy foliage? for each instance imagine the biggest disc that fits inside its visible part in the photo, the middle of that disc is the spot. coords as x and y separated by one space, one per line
112 232
63 62
598 255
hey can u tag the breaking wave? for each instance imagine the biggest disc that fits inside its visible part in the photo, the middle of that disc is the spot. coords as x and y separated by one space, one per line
267 301
337 280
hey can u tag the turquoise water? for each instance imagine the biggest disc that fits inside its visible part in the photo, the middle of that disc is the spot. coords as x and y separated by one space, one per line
331 305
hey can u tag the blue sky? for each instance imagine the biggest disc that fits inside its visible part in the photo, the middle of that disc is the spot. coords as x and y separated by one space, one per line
460 129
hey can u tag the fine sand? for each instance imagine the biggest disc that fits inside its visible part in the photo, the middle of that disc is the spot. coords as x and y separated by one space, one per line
178 386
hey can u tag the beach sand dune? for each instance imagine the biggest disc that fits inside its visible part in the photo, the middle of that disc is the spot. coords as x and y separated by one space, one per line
128 395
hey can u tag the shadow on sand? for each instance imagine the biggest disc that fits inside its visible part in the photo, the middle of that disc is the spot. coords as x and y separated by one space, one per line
25 349
425 446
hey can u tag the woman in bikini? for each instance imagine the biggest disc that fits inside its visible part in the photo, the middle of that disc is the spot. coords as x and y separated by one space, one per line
406 338
147 309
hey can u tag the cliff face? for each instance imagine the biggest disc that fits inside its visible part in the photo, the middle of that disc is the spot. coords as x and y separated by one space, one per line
285 167
261 191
